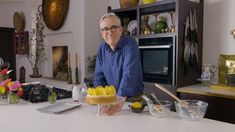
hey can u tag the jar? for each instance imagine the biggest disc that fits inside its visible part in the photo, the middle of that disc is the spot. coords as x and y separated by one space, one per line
160 25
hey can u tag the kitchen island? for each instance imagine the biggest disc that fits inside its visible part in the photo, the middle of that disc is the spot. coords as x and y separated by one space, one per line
221 100
24 117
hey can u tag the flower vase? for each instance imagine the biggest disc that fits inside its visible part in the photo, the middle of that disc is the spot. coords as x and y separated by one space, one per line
3 96
3 77
13 98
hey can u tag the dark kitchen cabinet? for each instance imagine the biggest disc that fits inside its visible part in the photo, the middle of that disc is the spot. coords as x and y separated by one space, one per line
7 49
140 22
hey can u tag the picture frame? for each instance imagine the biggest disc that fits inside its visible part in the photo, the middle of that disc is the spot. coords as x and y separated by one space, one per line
226 66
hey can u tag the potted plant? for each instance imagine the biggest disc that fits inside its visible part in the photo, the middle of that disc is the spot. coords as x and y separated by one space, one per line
91 63
36 52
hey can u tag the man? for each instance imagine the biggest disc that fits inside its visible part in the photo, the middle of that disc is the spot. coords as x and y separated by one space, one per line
118 63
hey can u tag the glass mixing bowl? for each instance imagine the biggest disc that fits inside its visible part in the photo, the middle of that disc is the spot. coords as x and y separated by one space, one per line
191 109
161 109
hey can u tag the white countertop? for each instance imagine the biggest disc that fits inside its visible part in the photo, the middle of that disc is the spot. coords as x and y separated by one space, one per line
24 117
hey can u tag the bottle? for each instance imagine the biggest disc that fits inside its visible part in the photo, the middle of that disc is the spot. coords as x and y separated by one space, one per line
206 74
83 93
76 93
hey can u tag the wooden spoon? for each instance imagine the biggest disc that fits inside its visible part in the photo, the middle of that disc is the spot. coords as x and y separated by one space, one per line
183 103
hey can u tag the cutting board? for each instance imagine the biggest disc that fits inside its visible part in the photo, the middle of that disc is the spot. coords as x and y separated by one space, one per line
223 86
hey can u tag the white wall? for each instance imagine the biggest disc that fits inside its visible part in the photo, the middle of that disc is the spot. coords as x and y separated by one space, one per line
81 26
92 26
219 20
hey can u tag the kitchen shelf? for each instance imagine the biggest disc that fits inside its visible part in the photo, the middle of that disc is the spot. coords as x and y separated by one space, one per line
178 11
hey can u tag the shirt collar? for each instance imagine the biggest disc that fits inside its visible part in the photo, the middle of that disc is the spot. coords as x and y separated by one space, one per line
119 46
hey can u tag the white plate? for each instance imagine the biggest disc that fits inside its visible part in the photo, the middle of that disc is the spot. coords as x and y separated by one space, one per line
131 26
152 21
59 107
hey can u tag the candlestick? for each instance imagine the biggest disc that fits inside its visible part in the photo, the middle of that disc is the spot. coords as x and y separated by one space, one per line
76 70
69 70
76 59
69 61
76 75
70 75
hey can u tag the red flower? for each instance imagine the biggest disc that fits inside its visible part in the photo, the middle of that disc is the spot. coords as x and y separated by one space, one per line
4 71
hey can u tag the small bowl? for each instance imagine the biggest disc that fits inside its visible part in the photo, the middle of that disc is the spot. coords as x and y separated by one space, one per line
137 110
194 110
159 110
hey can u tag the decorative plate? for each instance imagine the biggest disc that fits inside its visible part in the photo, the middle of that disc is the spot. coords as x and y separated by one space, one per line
54 13
132 25
152 21
19 21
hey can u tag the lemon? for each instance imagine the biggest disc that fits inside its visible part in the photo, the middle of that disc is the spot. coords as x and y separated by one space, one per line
113 90
90 91
110 90
100 90
137 105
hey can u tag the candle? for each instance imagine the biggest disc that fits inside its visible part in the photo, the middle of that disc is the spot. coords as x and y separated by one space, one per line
69 63
76 59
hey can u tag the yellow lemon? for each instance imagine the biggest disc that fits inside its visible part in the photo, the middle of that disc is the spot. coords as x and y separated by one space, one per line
112 90
90 91
109 90
100 90
137 105
2 90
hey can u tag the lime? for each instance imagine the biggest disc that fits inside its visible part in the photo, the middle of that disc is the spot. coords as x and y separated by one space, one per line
52 97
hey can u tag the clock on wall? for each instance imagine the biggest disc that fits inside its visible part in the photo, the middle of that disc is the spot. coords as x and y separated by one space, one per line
54 13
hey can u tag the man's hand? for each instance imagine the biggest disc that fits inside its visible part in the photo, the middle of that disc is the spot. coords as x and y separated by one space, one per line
114 108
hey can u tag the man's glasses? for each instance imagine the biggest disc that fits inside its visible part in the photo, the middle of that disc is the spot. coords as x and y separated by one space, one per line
113 28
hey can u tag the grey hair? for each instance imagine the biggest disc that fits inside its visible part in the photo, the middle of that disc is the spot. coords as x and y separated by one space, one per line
111 15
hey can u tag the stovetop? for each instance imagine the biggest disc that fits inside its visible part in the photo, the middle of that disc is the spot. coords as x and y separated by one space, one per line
39 93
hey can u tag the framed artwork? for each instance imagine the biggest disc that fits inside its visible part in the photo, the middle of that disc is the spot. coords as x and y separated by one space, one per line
60 62
226 66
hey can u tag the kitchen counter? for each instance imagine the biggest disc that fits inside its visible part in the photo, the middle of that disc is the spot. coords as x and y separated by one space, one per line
221 100
208 91
23 117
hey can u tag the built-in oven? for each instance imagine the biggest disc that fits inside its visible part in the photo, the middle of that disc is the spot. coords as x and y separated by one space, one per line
157 58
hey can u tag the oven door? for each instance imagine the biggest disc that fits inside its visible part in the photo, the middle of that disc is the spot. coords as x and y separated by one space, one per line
157 63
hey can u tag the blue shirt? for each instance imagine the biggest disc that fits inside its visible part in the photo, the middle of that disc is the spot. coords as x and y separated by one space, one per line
121 68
